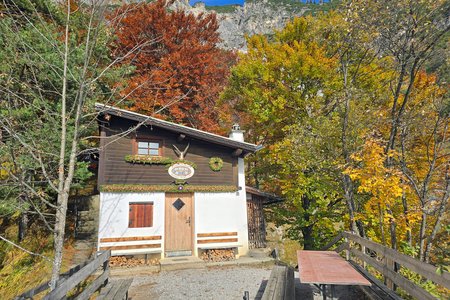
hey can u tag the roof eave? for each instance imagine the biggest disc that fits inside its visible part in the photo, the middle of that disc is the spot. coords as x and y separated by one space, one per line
247 148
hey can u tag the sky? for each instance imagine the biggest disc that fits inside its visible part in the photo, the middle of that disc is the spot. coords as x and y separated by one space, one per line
224 2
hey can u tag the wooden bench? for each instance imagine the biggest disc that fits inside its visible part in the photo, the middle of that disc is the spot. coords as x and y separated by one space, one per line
217 240
131 245
116 290
280 285
68 281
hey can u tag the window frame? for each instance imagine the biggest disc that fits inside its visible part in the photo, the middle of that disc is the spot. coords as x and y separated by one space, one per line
136 141
145 224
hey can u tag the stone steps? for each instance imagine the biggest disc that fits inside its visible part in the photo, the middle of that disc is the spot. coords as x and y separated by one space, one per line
259 253
87 224
88 214
181 263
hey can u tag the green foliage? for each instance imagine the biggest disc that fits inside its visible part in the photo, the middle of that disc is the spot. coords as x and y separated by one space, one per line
215 164
222 9
148 160
30 98
284 87
409 250
427 285
40 74
81 176
137 188
298 6
183 161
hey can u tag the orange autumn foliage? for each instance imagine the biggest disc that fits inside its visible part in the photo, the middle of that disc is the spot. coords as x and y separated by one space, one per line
179 70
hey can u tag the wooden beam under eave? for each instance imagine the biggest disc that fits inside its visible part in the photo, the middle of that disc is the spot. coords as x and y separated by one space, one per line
181 137
237 152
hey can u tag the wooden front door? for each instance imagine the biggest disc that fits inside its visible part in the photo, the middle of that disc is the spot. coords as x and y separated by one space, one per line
179 222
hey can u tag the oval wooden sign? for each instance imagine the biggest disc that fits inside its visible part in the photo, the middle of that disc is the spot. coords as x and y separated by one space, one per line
181 171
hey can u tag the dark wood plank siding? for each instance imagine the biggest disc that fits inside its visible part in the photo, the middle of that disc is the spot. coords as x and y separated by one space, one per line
117 171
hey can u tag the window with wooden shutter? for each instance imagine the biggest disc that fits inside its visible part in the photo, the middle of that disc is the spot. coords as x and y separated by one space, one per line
141 214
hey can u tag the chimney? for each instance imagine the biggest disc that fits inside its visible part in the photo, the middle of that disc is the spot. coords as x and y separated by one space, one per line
236 133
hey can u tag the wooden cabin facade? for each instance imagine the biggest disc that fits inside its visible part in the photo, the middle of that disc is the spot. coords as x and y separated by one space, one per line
170 189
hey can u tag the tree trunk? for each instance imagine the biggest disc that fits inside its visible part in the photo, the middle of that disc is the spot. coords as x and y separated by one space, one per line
392 228
348 194
23 220
381 221
361 229
407 223
423 226
59 237
346 180
440 217
308 241
62 196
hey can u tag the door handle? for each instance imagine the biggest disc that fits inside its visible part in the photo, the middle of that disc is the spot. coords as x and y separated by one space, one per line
188 221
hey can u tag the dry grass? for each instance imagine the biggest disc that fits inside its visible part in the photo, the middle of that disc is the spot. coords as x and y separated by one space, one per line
287 248
21 271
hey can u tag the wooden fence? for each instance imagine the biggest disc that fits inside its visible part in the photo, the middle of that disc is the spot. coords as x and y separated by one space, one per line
71 279
387 261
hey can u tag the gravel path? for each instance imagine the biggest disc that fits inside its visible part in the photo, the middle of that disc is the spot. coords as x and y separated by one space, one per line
221 283
210 283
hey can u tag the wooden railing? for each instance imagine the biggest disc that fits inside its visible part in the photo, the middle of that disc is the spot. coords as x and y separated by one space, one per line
73 278
386 261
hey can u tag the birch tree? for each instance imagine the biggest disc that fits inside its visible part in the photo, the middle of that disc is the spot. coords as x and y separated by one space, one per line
55 66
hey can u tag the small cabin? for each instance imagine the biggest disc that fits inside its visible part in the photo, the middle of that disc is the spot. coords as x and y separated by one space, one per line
169 189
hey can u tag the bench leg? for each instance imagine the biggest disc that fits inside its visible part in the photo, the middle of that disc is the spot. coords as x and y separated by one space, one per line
332 291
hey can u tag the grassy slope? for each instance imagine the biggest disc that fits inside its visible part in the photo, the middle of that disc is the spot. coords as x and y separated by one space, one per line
20 271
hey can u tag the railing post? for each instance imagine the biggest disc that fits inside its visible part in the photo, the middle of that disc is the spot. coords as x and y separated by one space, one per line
363 250
105 269
347 250
389 264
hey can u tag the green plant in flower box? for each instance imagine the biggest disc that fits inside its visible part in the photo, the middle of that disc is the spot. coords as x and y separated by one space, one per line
182 161
148 159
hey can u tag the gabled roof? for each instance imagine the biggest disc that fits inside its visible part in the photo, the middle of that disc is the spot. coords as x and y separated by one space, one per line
246 148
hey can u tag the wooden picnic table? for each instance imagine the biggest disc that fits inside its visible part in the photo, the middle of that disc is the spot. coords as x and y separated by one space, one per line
323 268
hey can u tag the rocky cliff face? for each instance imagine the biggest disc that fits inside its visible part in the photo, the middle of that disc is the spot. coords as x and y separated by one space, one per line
256 17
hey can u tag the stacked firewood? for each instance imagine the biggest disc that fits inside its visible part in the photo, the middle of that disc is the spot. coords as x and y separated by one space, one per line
122 261
216 255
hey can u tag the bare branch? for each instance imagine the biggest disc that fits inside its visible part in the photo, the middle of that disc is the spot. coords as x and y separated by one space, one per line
25 250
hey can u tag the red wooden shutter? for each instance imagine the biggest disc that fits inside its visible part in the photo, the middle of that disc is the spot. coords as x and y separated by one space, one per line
148 215
140 215
132 216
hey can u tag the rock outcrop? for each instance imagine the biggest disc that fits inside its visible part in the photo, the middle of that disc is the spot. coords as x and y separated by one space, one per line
255 17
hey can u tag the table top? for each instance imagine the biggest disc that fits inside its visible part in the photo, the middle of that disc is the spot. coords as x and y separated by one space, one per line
327 267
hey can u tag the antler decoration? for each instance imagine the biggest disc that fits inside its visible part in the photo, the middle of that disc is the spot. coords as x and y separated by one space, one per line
181 154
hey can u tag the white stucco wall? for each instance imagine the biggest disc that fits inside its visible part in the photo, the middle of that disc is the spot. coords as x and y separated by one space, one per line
222 212
213 212
113 219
